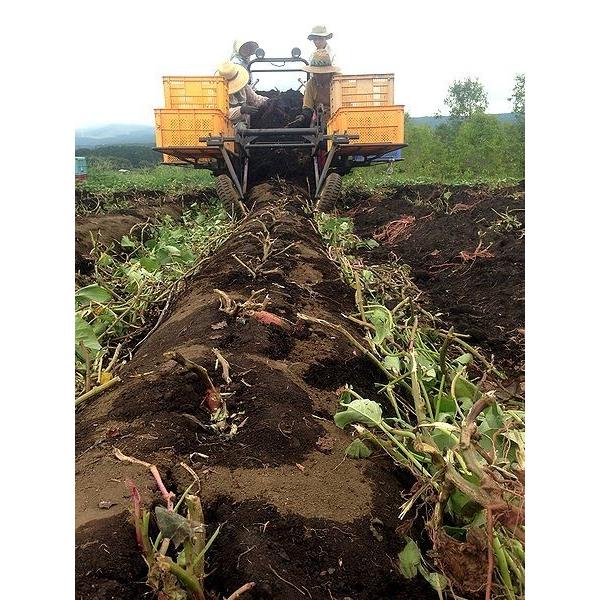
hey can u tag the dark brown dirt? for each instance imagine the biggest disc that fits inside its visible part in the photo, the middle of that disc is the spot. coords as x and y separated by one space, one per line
305 512
483 297
112 226
288 163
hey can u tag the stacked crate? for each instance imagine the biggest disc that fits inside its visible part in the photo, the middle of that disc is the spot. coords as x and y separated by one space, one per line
364 104
194 107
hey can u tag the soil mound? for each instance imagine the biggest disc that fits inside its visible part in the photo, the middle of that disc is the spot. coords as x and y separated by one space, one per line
465 251
112 226
294 507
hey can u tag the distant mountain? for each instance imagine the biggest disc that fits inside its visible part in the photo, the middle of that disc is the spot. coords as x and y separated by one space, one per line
114 134
435 121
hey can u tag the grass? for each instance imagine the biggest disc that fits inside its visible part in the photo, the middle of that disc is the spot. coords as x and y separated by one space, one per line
169 180
383 176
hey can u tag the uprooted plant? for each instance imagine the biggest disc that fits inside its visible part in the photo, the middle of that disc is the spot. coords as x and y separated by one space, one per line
132 289
447 426
176 555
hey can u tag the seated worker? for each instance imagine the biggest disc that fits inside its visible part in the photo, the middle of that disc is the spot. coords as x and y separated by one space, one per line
317 88
319 36
242 53
243 100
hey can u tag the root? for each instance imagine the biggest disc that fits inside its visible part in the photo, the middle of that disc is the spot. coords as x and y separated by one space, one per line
224 365
168 496
246 587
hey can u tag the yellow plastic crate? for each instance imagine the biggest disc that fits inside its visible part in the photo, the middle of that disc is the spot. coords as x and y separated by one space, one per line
348 91
183 126
196 92
173 160
377 125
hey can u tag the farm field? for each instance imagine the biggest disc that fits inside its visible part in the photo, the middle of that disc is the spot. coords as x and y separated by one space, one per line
343 393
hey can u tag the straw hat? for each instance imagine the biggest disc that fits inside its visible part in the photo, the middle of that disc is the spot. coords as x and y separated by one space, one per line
250 45
236 76
320 31
321 63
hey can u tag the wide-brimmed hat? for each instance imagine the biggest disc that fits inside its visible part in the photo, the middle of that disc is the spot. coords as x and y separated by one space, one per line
241 42
236 76
320 62
320 31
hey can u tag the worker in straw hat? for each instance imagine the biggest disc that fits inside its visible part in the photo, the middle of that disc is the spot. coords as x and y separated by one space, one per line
317 88
243 52
243 100
319 36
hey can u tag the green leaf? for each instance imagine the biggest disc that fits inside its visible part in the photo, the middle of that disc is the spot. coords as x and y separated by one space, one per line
358 449
443 440
173 251
409 559
465 389
492 418
465 359
436 580
93 292
172 525
359 411
383 321
150 264
447 406
84 333
367 275
457 501
392 363
105 260
127 242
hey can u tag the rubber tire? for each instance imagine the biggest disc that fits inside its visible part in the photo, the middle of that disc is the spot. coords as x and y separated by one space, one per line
330 194
229 197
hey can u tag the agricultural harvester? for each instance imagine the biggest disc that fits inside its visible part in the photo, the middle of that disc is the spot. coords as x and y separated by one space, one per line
365 127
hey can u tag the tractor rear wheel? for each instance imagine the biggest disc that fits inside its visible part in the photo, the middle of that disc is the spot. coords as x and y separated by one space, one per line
330 193
228 195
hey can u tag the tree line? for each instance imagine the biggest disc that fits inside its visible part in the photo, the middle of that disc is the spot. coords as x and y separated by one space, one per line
470 144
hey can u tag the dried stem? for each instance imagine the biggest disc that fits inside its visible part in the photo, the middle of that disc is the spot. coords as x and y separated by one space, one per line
224 365
97 390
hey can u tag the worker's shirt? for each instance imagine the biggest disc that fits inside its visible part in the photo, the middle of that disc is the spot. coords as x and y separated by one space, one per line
246 96
329 51
317 94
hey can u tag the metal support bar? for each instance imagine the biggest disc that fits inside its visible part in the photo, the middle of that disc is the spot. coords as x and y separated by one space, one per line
232 172
325 169
245 176
283 131
279 145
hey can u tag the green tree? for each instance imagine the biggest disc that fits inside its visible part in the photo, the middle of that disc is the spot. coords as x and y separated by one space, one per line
518 95
481 148
465 98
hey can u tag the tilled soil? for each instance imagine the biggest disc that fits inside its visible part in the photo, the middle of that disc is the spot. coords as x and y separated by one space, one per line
112 226
427 227
298 518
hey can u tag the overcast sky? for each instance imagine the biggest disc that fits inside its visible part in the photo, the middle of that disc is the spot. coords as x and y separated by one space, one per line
122 49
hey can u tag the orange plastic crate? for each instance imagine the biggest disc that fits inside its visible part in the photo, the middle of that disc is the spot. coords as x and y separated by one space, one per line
196 92
183 126
349 91
377 125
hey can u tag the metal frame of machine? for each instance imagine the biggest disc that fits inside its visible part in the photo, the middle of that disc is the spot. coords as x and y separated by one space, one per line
218 157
